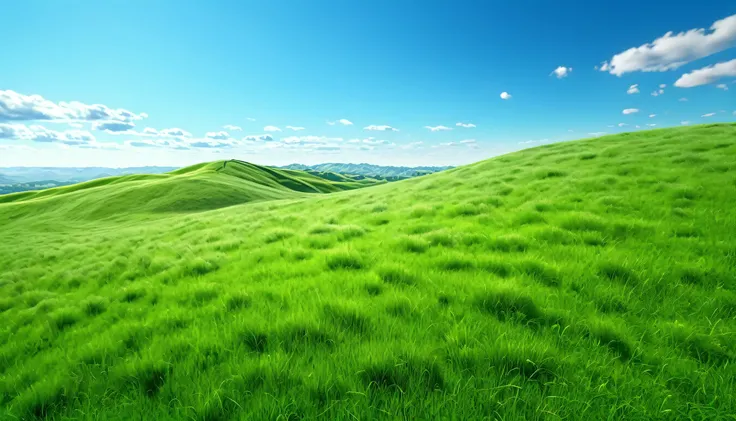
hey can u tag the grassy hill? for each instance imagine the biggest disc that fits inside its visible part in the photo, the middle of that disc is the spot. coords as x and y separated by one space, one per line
369 170
585 280
200 187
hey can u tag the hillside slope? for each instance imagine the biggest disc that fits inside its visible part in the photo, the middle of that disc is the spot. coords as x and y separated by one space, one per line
369 170
200 187
585 280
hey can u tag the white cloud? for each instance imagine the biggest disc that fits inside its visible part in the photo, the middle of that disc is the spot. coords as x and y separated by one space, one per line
529 142
633 89
294 128
310 139
41 134
412 145
622 124
113 126
271 129
662 85
651 124
597 134
682 99
684 123
467 141
465 125
707 75
652 115
232 128
505 95
437 128
722 86
630 111
250 119
373 127
172 132
18 107
217 135
343 121
672 51
708 115
561 72
258 138
155 143
655 93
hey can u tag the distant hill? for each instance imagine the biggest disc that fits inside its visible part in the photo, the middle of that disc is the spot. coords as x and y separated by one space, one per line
13 175
368 170
199 187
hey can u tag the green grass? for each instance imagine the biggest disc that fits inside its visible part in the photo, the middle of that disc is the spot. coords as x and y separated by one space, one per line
585 280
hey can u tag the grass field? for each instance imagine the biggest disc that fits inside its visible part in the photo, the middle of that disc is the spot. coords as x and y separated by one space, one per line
585 280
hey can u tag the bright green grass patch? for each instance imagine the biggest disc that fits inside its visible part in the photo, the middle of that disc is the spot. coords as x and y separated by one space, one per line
584 280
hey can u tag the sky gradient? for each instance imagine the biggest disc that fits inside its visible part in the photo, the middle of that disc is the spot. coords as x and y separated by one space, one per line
130 83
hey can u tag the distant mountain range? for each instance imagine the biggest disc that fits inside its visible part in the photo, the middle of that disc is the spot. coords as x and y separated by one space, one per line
71 174
368 170
18 179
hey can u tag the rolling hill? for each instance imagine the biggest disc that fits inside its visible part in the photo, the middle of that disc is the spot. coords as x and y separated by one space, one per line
593 279
369 170
196 188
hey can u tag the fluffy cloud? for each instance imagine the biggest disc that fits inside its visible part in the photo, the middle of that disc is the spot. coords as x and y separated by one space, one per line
722 86
651 124
373 127
155 143
633 89
465 125
622 124
258 138
412 145
114 126
250 119
296 129
682 99
18 107
173 132
630 111
707 75
662 85
343 121
271 129
561 72
38 133
232 128
672 51
217 135
505 95
310 139
708 115
529 142
437 128
652 115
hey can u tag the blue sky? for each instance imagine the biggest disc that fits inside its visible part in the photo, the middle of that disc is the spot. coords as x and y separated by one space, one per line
125 83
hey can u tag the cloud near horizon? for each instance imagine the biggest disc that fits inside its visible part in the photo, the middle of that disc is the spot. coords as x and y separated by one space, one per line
672 51
18 107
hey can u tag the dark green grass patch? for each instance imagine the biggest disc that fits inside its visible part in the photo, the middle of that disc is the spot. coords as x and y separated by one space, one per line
345 261
405 375
510 305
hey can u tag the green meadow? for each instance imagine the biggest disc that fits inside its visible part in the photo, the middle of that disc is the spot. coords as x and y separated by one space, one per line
591 280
